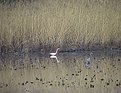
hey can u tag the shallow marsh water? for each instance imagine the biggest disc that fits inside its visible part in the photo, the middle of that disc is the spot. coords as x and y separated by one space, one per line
32 73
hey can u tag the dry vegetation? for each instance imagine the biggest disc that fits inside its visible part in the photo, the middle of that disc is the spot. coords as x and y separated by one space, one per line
69 24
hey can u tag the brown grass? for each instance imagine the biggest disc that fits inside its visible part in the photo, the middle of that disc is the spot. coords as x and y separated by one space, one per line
15 73
59 23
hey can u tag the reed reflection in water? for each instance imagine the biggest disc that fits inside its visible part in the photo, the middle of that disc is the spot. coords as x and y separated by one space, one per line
37 74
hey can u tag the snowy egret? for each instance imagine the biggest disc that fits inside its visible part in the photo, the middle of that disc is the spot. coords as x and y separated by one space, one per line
53 54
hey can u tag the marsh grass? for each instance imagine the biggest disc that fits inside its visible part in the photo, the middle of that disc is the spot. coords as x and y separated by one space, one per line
48 24
19 73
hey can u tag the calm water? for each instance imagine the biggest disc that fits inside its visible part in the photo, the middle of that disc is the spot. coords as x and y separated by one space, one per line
32 73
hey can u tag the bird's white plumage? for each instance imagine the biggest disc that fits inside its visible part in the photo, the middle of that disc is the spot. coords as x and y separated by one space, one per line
53 54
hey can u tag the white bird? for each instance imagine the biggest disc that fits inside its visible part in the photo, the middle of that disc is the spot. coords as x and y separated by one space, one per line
54 57
53 54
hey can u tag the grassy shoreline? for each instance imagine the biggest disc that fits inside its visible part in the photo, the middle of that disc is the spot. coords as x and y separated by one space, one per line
46 25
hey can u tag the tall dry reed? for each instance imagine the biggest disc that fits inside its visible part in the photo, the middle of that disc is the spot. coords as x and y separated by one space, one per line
69 24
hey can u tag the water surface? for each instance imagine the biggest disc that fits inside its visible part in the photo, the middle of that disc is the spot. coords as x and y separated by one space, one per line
35 73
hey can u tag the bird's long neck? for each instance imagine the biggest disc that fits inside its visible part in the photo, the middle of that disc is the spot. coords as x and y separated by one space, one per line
57 50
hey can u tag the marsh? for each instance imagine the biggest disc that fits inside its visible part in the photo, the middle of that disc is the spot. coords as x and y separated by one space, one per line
38 74
32 29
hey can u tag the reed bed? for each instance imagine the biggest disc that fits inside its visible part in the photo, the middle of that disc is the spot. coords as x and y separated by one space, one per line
71 24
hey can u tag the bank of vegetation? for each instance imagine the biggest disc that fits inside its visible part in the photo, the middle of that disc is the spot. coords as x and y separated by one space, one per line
44 25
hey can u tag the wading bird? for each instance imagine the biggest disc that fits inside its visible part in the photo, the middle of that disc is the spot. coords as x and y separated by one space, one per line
88 61
53 54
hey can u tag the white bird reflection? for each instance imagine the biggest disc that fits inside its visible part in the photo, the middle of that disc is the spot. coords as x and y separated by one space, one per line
54 57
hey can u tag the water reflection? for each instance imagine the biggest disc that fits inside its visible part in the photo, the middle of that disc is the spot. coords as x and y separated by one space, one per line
54 57
34 73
